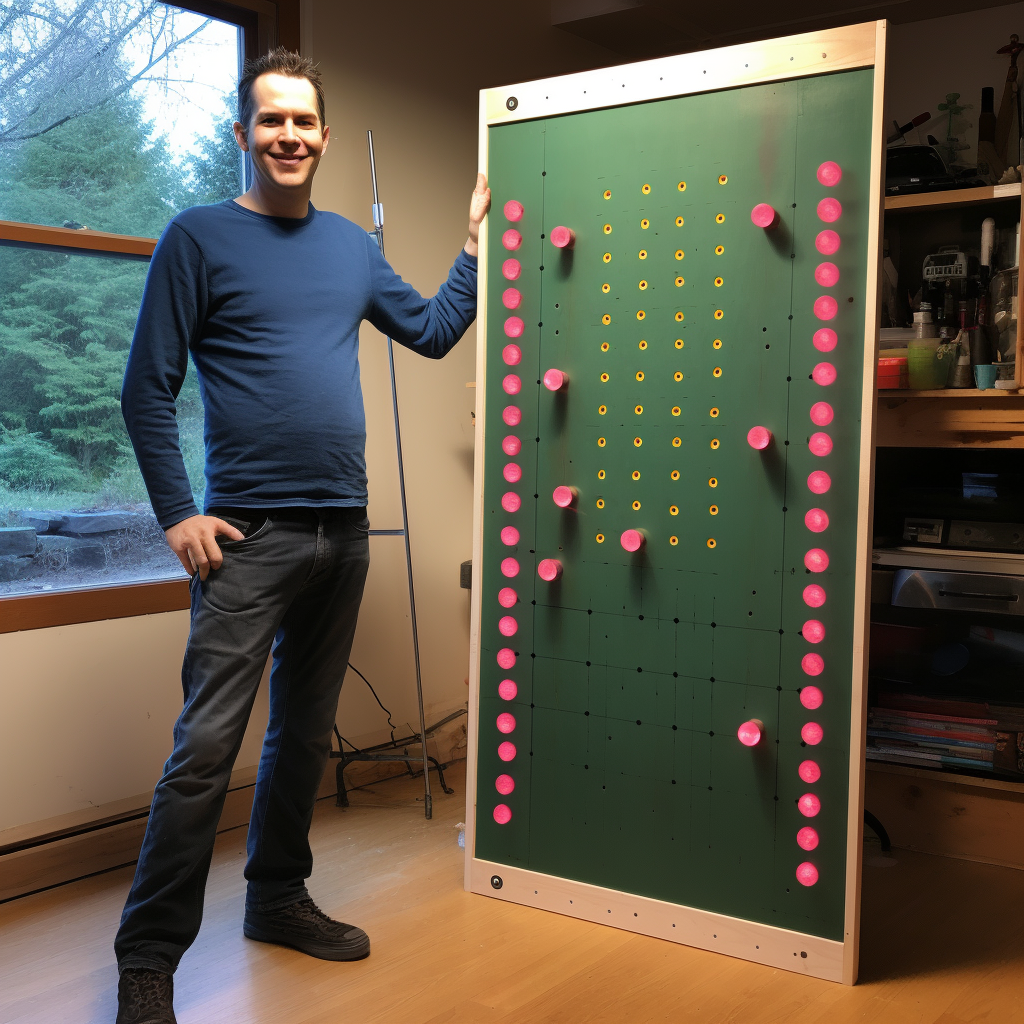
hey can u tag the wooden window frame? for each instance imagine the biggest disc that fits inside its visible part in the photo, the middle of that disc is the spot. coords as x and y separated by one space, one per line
265 24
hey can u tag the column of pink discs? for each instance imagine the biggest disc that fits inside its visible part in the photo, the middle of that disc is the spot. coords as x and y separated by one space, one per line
826 274
511 500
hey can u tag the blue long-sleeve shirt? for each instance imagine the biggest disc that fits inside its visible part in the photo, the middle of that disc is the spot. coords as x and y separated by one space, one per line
270 309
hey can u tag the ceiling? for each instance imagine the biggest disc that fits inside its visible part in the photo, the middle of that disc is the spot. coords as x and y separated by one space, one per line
638 29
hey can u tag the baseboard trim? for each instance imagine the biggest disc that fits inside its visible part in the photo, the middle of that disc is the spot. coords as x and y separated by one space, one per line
65 849
101 847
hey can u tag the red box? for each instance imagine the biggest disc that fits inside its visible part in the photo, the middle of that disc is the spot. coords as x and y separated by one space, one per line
892 372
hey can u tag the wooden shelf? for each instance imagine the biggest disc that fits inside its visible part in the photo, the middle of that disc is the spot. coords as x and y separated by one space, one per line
975 781
953 197
948 393
953 419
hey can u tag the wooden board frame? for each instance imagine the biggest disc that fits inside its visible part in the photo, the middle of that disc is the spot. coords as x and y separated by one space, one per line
810 54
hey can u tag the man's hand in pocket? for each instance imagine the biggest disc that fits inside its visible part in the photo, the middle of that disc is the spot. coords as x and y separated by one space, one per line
194 541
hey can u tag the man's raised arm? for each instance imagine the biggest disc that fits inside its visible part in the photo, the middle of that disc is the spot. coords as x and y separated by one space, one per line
429 326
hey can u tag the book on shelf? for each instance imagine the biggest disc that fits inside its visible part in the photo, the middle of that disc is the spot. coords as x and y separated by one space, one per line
937 732
907 756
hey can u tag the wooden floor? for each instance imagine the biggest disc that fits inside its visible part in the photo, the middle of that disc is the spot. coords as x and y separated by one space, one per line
942 944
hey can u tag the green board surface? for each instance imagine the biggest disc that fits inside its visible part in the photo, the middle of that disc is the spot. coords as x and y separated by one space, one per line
634 671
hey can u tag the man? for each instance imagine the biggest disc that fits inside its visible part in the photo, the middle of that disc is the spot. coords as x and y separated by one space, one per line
267 293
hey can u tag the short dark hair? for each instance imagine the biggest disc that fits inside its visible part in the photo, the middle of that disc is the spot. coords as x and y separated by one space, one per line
278 62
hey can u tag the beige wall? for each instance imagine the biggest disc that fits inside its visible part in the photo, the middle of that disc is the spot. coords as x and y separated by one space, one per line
88 709
87 714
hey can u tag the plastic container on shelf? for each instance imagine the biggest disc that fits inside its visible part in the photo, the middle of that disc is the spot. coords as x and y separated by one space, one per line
927 371
892 372
924 326
892 343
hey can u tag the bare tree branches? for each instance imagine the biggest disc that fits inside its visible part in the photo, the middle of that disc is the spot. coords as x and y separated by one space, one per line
62 58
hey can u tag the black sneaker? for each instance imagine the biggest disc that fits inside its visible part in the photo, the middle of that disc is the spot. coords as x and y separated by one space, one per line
305 927
145 997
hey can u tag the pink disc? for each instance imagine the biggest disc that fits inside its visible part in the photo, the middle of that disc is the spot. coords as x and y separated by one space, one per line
632 540
514 210
749 733
809 771
816 520
506 657
759 438
511 239
814 596
512 355
811 696
512 415
806 873
512 385
830 210
556 380
820 443
764 216
825 339
507 625
509 536
507 690
511 269
504 784
827 242
826 274
822 414
506 750
549 569
812 734
506 723
502 814
814 632
563 237
511 445
816 560
825 308
511 298
807 838
819 481
511 502
507 597
512 472
564 497
830 173
808 805
812 664
509 567
824 374
514 326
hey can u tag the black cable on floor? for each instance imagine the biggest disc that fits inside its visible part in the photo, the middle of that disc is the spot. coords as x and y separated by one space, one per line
376 698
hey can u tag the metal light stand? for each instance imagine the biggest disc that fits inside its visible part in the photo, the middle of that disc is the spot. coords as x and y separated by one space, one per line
378 228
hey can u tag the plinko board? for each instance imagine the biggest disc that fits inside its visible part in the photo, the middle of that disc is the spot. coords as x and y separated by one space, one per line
675 399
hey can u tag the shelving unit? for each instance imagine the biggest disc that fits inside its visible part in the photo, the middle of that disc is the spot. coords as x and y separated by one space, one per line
966 202
951 419
955 418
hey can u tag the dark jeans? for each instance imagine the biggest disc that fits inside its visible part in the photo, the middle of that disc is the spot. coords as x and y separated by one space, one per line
293 586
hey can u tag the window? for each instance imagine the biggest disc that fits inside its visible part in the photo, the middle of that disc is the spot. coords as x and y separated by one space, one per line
114 116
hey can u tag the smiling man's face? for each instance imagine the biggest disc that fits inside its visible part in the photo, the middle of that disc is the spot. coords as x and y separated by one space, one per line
285 138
